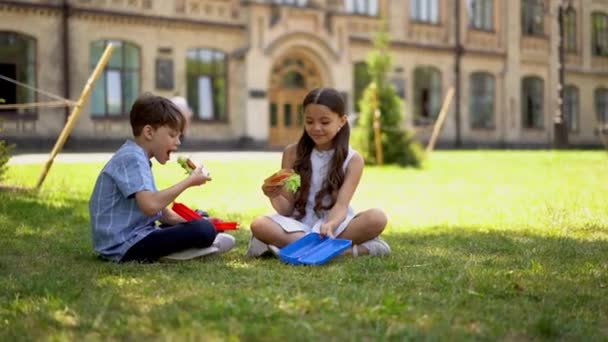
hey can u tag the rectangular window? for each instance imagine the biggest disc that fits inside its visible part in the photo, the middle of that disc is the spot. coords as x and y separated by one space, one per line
532 17
599 24
205 98
362 7
571 108
119 85
273 115
570 31
425 11
287 115
481 14
114 92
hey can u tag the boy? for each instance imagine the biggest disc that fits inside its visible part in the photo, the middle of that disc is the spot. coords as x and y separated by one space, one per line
125 203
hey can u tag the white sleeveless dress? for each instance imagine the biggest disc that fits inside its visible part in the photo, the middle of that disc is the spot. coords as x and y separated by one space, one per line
320 161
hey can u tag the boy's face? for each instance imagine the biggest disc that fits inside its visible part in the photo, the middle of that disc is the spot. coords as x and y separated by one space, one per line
162 142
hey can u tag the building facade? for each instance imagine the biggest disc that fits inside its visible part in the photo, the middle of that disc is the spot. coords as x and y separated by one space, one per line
245 66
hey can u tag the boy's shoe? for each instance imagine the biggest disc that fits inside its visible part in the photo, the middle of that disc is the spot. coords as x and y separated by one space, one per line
191 253
224 242
258 249
377 247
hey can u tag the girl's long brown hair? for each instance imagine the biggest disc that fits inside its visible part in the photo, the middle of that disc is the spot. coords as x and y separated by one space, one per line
332 99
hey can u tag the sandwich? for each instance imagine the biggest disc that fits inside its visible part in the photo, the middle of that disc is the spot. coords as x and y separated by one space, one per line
189 166
286 178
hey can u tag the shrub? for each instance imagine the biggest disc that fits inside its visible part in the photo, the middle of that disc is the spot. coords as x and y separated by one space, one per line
398 144
4 157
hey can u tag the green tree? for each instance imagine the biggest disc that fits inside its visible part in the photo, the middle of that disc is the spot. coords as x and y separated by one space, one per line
398 145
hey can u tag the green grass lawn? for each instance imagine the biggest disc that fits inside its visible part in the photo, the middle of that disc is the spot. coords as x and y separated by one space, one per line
486 245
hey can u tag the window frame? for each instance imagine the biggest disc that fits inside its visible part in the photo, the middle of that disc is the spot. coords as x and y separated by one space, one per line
570 31
358 88
599 40
370 8
529 10
477 99
599 94
435 94
23 95
537 120
214 75
485 22
428 17
123 72
571 102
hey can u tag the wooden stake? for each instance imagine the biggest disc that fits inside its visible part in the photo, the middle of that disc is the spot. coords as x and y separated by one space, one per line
75 114
47 104
440 119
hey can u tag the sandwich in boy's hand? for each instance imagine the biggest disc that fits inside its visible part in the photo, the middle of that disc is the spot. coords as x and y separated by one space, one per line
285 177
189 166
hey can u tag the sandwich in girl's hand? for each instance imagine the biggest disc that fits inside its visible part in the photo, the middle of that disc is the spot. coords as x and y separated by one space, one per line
189 166
286 178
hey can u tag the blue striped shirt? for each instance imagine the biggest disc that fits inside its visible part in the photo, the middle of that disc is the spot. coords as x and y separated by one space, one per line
116 220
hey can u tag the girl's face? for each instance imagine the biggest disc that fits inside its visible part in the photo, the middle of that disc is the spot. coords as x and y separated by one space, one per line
322 125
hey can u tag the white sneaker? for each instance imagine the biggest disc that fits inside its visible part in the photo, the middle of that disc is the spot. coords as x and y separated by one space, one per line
257 248
191 253
377 247
224 242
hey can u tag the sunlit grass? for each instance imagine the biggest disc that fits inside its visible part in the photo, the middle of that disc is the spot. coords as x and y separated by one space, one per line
490 245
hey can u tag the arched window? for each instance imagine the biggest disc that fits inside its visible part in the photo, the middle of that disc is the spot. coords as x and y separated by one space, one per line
570 30
599 40
17 62
424 11
481 14
481 100
362 79
532 17
427 94
294 80
601 106
532 99
119 84
362 7
571 107
207 86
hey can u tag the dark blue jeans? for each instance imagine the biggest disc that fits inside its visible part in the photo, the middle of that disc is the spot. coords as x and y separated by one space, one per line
193 234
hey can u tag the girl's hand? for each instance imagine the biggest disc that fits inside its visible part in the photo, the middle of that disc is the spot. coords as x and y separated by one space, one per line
327 229
198 177
272 191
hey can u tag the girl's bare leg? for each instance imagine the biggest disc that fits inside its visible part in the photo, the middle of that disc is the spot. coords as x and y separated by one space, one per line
365 226
268 231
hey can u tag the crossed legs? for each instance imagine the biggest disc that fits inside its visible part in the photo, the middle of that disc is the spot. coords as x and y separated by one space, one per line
365 226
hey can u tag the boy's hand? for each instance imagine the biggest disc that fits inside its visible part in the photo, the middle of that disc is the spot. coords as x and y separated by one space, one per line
198 176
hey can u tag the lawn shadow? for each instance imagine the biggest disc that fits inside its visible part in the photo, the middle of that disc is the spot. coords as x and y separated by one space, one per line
465 282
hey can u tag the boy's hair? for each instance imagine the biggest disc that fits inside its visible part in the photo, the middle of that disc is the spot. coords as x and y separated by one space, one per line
155 111
333 100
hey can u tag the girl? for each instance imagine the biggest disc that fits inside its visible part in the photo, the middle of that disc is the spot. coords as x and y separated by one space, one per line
330 171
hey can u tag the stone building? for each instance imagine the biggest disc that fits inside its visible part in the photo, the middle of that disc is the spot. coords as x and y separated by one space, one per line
244 66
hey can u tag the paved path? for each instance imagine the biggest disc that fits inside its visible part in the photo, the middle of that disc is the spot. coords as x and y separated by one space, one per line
34 158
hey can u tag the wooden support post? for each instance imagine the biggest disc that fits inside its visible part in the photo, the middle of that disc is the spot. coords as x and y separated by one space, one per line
440 119
75 114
